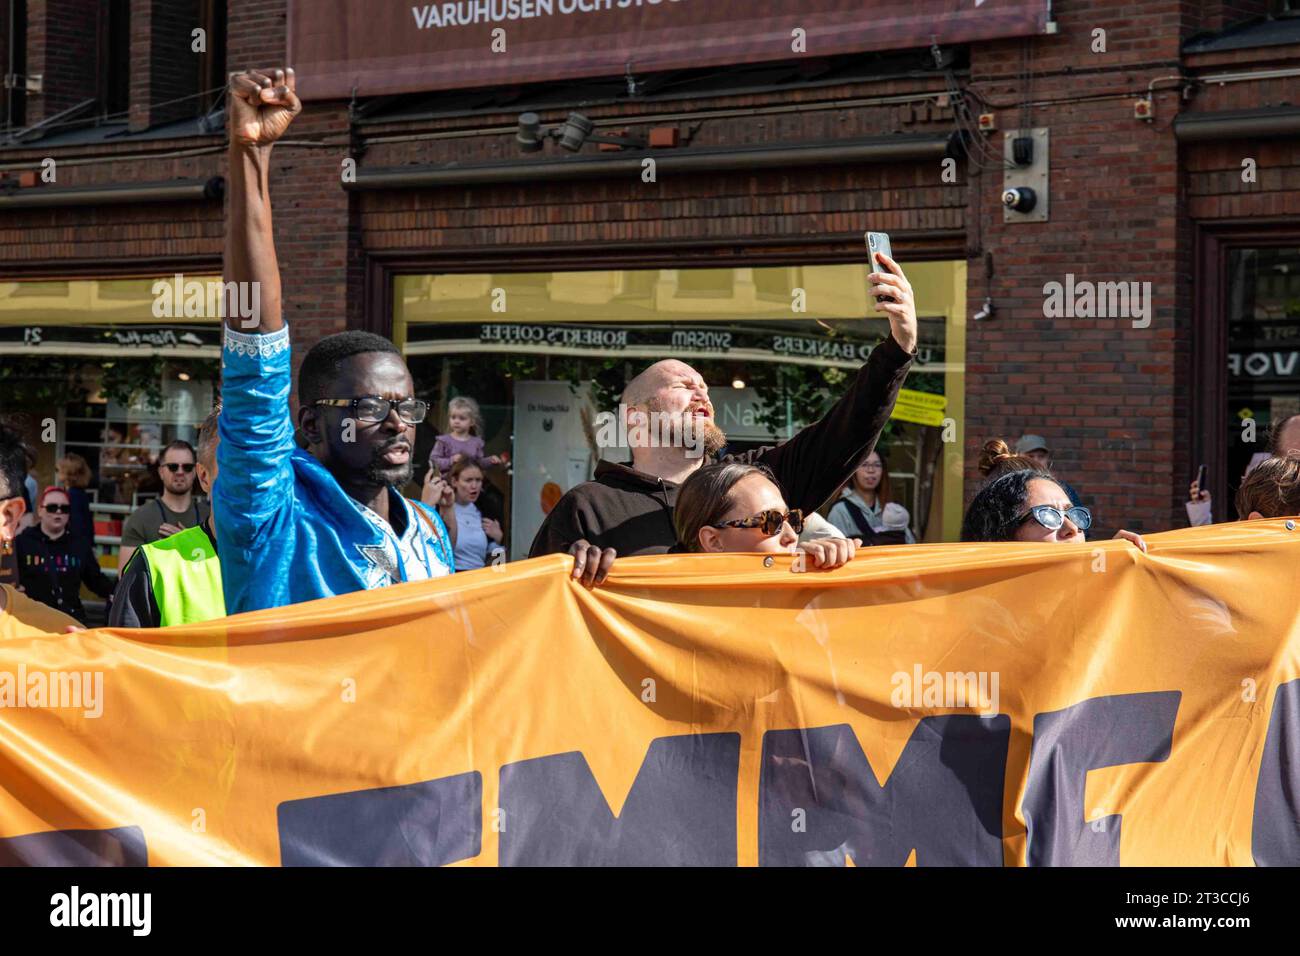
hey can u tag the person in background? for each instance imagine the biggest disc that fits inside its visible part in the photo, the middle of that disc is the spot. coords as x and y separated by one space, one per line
30 488
464 438
176 579
627 508
1025 505
996 459
478 539
1272 489
72 473
1034 447
737 506
1284 440
175 510
20 616
54 562
865 509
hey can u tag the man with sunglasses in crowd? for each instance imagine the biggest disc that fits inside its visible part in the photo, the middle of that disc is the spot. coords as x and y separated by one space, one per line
176 509
296 524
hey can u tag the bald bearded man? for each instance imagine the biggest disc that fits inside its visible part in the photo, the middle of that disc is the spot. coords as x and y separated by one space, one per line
627 509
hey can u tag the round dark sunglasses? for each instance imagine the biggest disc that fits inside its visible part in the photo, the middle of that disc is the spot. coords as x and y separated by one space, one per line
769 521
372 408
1052 518
58 509
174 466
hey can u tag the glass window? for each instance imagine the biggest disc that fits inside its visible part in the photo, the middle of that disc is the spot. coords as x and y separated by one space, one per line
1263 304
545 353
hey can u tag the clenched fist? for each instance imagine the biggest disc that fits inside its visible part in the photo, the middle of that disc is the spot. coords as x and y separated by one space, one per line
262 104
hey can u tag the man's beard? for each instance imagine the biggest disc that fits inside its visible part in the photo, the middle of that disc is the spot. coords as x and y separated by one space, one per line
705 431
380 472
714 438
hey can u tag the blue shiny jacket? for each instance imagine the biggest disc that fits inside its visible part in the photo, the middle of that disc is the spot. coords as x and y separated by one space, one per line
286 530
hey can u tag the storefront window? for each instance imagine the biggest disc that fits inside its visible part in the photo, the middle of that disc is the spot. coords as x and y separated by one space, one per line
111 370
544 353
1263 349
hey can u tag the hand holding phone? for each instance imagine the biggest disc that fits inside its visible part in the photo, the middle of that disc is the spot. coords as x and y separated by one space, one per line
879 242
1198 491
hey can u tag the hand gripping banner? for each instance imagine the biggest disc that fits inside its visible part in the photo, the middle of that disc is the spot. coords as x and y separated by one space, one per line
989 705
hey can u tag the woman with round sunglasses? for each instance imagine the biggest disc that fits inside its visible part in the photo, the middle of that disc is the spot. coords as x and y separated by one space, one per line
738 507
1029 505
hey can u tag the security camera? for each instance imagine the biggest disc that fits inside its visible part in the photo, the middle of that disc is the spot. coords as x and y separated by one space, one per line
530 136
1020 198
985 313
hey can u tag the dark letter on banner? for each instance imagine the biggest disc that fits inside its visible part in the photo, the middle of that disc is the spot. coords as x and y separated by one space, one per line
1097 733
819 800
122 846
681 810
1275 833
418 824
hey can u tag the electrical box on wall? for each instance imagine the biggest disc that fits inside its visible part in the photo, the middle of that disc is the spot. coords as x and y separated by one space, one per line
1025 179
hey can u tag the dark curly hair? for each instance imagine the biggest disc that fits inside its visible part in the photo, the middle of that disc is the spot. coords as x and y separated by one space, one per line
996 511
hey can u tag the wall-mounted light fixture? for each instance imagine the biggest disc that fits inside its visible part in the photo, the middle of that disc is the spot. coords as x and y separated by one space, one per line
576 131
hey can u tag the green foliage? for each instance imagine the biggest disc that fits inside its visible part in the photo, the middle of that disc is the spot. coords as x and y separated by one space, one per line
53 381
43 382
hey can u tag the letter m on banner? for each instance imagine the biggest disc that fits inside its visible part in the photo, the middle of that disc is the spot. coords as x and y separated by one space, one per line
681 810
943 798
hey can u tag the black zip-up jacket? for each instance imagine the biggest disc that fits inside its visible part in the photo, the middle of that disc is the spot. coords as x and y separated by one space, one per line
632 512
52 570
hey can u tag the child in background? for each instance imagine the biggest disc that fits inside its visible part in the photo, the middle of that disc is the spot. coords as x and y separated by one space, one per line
464 440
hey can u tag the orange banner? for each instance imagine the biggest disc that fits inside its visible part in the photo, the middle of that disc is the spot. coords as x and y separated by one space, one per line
948 704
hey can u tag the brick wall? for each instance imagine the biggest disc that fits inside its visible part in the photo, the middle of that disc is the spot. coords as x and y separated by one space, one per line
164 67
62 48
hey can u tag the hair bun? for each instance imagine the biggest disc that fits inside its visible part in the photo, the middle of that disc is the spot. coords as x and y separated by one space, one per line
995 450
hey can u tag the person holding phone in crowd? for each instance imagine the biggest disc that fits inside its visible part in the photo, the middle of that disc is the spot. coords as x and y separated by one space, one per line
628 508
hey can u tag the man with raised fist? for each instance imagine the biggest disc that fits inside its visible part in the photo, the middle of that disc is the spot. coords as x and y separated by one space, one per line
293 525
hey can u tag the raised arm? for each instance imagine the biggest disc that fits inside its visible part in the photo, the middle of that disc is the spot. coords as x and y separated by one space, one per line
822 456
254 499
261 105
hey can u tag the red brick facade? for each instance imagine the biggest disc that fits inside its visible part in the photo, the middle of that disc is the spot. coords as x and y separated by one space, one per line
1127 202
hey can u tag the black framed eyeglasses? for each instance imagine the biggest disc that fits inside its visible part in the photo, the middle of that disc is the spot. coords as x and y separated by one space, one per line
175 466
769 521
1053 518
372 408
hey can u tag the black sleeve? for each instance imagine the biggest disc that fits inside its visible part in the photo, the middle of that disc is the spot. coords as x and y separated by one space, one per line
133 603
822 456
560 529
91 573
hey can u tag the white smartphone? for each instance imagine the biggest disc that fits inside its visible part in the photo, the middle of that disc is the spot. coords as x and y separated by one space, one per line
879 242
